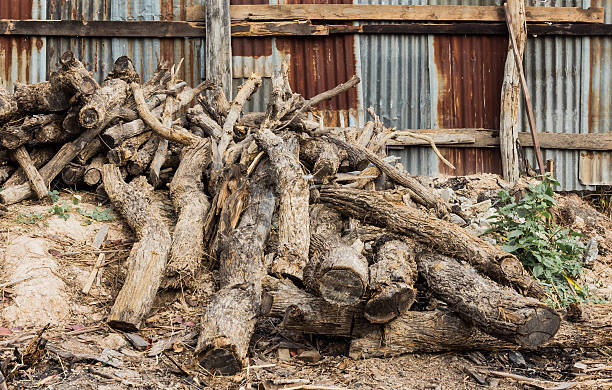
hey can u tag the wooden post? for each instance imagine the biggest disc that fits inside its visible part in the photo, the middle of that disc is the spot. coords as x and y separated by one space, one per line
508 120
219 45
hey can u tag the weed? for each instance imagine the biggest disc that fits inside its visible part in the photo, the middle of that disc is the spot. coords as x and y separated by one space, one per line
29 218
550 252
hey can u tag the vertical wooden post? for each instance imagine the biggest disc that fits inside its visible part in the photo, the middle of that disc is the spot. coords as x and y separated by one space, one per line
219 44
509 126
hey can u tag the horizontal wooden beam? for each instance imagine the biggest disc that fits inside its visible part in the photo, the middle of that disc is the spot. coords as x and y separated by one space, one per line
107 29
353 12
485 138
163 29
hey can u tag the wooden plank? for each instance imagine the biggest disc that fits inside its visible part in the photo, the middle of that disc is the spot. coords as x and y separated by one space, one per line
351 12
110 29
219 45
511 94
279 29
179 29
486 138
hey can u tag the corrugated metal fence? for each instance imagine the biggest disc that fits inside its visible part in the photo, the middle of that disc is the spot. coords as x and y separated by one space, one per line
412 81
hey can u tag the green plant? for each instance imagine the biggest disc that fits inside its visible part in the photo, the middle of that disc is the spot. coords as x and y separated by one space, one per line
61 210
29 218
54 195
96 215
551 253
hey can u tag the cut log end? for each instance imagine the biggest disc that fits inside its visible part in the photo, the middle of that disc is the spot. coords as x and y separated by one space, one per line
538 329
389 304
341 286
221 361
89 117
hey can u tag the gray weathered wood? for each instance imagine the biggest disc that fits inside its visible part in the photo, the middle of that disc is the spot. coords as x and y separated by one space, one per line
219 45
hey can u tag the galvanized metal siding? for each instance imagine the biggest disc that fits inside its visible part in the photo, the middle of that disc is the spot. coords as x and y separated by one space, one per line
99 53
22 58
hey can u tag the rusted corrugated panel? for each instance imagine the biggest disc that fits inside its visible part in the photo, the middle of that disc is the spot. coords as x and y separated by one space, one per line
99 54
596 167
469 72
317 64
22 59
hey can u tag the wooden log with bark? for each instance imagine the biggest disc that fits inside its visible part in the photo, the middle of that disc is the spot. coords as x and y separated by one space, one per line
52 133
16 133
498 311
8 105
442 330
230 316
100 104
36 181
335 271
191 205
440 235
148 256
392 280
39 156
72 174
93 172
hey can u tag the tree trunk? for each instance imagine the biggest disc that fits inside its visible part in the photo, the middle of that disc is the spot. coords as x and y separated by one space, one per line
98 105
8 105
229 319
93 172
120 155
304 312
511 95
392 280
495 310
197 116
443 330
293 216
90 150
39 156
36 180
440 235
73 77
191 205
17 133
148 256
52 133
218 45
335 271
141 160
72 174
40 97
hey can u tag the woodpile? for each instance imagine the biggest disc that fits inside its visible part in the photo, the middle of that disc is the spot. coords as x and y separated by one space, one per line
311 224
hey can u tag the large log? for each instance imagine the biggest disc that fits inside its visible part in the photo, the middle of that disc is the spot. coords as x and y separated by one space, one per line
17 133
440 235
98 106
30 171
93 173
74 77
120 155
229 319
72 174
52 133
496 310
392 280
293 216
148 256
442 330
8 105
39 156
141 160
191 205
304 312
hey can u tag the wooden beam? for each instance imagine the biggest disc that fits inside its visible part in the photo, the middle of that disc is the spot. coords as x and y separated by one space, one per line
486 138
219 45
180 29
110 29
352 12
511 94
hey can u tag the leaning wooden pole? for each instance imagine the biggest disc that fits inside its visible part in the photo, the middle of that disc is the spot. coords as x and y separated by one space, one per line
219 45
147 260
511 94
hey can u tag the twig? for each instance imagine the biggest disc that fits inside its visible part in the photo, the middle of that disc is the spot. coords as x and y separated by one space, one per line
425 138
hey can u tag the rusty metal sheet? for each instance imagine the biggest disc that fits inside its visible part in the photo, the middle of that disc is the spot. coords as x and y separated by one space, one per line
22 58
469 71
99 53
595 168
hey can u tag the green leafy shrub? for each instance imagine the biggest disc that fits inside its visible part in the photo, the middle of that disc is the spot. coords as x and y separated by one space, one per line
550 252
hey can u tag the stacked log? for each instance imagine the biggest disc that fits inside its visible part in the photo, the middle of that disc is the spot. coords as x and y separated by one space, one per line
315 217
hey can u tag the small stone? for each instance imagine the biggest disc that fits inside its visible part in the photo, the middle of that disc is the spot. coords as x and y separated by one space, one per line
517 358
480 208
447 194
310 356
113 341
591 251
457 220
139 343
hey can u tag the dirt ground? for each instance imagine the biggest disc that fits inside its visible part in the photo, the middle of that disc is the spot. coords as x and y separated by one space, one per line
46 261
